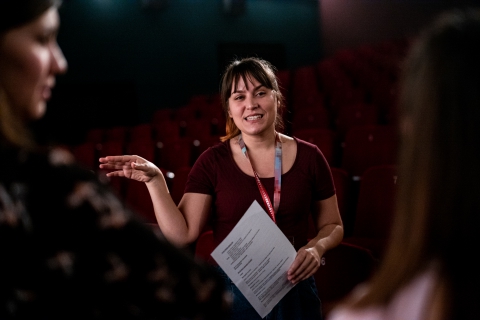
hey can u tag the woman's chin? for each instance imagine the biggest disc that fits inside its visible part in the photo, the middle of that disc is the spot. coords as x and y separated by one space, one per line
38 111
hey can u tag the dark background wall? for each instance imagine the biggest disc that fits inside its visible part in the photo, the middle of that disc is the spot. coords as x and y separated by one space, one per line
126 61
349 23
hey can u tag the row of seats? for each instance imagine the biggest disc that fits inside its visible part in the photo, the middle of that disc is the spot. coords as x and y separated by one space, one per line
363 201
324 101
363 145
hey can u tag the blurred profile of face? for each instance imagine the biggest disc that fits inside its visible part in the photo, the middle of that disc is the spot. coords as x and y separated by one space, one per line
30 58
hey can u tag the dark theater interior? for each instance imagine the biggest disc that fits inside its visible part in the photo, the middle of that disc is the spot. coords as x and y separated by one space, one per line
144 77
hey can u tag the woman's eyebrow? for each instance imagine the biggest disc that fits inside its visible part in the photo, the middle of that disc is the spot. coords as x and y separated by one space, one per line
241 90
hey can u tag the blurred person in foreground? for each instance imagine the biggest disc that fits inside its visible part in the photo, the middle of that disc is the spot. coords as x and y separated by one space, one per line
69 248
429 271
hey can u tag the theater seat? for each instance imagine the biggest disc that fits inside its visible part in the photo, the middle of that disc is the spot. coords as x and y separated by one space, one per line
345 267
204 246
323 138
178 183
375 209
310 117
368 145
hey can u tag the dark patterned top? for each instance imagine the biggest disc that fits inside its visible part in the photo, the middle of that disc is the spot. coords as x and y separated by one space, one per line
70 249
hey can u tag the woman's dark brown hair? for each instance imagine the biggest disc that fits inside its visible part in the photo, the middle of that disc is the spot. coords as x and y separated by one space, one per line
14 13
246 68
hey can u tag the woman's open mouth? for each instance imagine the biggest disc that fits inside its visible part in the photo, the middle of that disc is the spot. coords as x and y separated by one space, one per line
254 117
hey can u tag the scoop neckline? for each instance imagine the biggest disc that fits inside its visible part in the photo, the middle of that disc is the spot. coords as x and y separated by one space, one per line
230 153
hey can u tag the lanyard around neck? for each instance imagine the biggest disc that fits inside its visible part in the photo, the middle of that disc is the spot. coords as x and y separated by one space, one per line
278 176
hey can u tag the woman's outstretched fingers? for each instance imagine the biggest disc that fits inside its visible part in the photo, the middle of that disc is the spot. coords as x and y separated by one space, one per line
129 166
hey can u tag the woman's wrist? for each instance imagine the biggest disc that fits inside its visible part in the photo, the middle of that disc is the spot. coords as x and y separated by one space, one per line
157 181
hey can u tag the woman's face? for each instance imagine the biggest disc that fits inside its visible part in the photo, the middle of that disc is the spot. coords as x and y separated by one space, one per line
30 58
252 106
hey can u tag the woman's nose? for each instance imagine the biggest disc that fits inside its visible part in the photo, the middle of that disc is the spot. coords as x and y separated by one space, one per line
59 62
251 103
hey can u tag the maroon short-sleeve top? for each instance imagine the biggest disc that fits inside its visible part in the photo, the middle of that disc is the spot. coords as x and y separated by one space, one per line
216 173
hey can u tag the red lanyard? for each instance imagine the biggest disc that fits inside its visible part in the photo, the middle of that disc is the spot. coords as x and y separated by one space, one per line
278 176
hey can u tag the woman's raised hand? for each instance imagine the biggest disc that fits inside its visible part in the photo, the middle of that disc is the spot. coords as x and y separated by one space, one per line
130 166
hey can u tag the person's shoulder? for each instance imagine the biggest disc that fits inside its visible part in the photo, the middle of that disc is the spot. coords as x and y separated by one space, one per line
345 312
64 163
220 145
305 146
416 294
61 156
213 156
39 164
217 149
304 143
363 314
287 141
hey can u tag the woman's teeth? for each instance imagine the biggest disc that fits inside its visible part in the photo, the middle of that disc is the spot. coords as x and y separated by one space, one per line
254 117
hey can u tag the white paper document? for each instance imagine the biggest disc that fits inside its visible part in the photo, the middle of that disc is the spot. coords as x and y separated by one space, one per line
256 255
